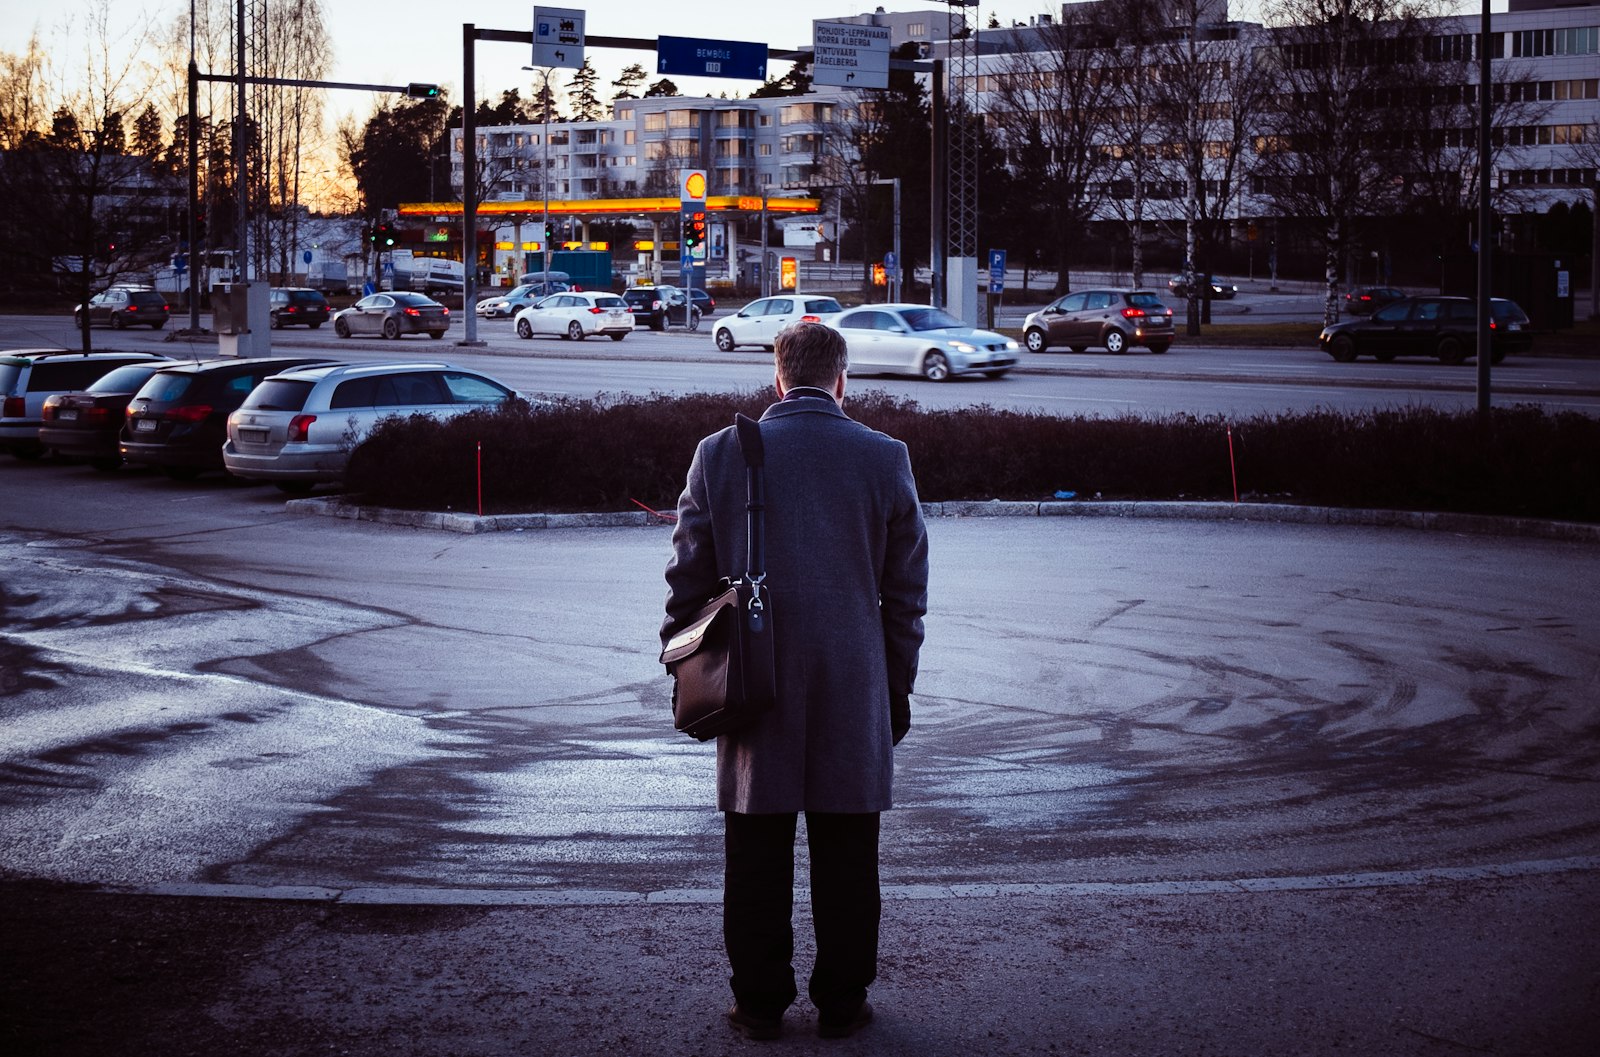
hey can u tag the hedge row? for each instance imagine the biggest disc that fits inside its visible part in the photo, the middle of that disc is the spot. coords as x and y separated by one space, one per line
612 452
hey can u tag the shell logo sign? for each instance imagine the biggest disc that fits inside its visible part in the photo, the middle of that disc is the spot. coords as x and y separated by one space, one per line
692 185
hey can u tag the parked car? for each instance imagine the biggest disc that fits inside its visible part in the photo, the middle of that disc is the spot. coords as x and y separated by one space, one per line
297 306
28 377
393 314
576 315
1364 300
658 307
297 429
124 306
919 339
1220 289
1109 319
758 322
703 301
178 420
508 304
84 424
1445 327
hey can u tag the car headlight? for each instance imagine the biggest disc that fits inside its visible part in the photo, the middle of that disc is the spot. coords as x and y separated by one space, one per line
1012 345
961 346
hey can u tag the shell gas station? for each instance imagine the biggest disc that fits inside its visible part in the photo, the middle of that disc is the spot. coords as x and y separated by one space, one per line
434 228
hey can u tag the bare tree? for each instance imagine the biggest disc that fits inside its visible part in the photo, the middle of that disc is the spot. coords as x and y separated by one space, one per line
1051 99
94 212
1331 140
1133 124
1212 92
22 93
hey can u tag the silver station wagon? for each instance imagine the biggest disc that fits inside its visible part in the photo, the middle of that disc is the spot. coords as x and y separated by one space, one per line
297 429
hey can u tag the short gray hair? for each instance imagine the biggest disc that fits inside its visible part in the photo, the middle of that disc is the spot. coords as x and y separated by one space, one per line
810 354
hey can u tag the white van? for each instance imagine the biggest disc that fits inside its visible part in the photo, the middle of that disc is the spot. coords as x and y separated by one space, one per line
431 276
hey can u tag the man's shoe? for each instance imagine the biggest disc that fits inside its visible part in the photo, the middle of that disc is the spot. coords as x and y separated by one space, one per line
831 1028
754 1027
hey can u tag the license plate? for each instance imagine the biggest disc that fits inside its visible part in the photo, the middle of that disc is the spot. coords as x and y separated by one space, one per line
67 415
144 425
253 436
1513 326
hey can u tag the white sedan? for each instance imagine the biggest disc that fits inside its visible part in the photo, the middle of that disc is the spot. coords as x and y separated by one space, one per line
576 315
919 339
758 322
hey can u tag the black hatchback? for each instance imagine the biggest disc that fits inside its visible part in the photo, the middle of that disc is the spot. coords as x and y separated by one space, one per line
178 420
296 307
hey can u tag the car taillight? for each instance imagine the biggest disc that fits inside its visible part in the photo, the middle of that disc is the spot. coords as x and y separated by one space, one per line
14 407
47 413
412 312
655 306
1366 297
445 311
190 413
595 310
1491 324
95 416
133 308
292 309
1133 313
300 427
811 319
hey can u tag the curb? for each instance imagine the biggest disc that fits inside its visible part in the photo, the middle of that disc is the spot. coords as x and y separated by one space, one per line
1281 513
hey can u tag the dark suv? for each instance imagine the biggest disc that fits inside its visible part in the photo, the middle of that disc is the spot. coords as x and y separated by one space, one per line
124 306
178 420
1445 327
294 306
657 307
1112 319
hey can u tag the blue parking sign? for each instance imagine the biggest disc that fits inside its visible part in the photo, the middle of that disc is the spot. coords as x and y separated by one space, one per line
997 271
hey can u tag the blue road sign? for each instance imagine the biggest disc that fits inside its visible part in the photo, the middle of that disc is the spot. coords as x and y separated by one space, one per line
306 256
690 57
997 271
180 263
891 263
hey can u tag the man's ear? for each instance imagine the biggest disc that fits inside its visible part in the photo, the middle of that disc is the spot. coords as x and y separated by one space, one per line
838 387
777 382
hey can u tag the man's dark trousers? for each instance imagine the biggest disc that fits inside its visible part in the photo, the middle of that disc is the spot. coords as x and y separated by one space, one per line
758 907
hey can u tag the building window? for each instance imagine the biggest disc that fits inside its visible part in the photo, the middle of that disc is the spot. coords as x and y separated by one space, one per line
1574 40
656 122
916 29
765 150
681 118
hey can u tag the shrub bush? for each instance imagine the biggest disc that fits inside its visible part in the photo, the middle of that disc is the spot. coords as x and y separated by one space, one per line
606 453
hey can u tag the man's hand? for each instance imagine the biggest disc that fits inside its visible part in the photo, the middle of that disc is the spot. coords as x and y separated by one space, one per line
899 716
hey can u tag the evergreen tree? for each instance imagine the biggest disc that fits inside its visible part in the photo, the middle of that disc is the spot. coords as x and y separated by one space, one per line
583 94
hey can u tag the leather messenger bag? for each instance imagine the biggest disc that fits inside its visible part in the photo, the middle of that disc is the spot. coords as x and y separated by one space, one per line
722 662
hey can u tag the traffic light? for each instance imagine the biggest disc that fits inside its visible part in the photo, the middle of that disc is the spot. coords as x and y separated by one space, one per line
694 229
416 90
383 236
549 233
369 235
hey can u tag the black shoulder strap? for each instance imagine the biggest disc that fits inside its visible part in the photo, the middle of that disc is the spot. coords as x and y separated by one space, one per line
755 460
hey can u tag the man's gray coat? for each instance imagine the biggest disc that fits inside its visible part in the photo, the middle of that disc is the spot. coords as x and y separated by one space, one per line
847 564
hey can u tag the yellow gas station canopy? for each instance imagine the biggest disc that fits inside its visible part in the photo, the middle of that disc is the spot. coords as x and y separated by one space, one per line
610 206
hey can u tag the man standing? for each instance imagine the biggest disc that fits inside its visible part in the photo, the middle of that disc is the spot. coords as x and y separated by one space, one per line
847 567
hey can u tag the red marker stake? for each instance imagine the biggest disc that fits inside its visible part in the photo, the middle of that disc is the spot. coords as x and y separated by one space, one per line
480 478
1232 468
